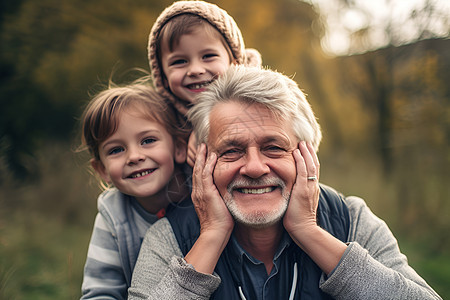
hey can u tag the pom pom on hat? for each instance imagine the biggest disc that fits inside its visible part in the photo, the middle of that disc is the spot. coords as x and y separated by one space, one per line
252 58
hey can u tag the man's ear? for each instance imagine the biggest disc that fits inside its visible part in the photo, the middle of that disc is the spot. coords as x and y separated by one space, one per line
98 166
180 152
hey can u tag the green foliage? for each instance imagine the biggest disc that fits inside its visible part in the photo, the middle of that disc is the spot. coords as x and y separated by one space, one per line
45 227
52 53
41 258
430 265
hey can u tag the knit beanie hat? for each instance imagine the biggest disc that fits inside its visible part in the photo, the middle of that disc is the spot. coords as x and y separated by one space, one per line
220 20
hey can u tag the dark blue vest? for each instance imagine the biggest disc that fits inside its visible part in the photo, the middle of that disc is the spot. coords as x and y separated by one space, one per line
333 216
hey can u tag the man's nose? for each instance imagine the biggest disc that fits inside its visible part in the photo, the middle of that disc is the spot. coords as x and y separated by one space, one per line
135 155
255 164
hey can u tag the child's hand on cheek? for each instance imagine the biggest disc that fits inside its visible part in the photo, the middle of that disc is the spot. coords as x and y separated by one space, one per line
192 150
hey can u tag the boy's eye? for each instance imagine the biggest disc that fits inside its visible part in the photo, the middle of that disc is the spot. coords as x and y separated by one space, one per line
148 141
115 150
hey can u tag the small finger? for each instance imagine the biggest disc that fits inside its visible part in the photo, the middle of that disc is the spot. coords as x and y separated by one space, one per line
313 154
309 161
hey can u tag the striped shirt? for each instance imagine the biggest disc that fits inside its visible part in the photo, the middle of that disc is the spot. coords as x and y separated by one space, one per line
119 228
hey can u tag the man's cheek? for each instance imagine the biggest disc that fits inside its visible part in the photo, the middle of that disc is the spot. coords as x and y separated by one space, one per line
220 170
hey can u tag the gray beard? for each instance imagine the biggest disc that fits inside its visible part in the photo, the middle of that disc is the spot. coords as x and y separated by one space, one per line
257 219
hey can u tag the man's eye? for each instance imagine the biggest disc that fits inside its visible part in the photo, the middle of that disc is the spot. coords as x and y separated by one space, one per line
231 154
148 141
274 151
115 150
275 148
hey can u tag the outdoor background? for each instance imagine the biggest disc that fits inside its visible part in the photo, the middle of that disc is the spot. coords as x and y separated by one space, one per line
377 77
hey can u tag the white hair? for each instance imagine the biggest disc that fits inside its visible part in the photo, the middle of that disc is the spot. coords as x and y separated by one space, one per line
280 94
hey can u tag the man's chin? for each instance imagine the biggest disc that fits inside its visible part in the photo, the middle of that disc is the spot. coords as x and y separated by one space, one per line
257 219
259 224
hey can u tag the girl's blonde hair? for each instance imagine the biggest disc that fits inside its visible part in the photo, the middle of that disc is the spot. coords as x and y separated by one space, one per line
100 118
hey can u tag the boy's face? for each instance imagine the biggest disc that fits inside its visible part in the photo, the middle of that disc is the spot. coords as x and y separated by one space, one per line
139 158
196 60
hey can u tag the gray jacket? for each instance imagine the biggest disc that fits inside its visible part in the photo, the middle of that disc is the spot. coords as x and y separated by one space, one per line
371 268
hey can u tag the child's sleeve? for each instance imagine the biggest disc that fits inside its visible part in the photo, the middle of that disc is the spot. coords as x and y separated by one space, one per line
103 275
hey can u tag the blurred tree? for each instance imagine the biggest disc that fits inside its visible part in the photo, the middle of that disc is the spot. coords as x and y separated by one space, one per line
287 33
357 26
414 127
369 29
51 53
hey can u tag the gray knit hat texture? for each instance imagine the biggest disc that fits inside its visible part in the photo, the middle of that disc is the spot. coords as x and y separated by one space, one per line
218 18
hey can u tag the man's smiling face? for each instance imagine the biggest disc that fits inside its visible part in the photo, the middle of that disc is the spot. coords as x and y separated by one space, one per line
255 169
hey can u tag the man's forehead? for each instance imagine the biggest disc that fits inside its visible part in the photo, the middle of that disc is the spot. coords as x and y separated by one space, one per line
236 123
233 116
240 111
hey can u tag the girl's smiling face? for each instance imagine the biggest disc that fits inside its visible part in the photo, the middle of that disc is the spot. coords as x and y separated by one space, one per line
139 157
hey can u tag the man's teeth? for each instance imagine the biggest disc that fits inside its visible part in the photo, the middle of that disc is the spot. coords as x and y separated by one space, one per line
137 175
257 191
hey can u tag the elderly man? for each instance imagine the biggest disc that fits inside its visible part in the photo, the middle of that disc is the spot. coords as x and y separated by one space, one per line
266 229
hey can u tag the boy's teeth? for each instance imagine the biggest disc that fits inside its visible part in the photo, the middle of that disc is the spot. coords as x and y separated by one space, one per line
257 191
137 175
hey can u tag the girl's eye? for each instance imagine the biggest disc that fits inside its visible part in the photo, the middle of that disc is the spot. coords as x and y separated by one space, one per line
115 150
148 141
178 62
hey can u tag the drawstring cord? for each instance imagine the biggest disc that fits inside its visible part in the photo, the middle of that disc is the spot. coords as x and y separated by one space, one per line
241 293
294 285
294 282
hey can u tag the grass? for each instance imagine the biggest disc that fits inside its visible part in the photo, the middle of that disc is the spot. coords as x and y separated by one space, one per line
45 225
41 258
433 267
